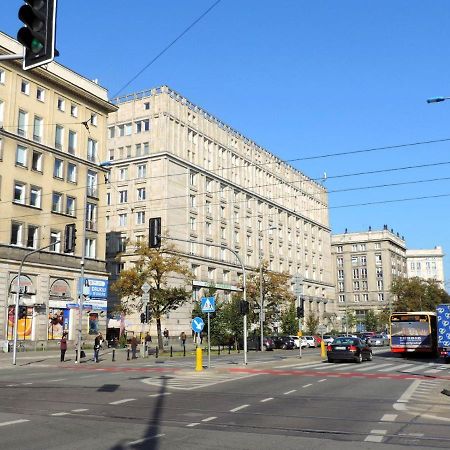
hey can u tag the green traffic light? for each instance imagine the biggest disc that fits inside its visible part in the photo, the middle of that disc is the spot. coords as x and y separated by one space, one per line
36 46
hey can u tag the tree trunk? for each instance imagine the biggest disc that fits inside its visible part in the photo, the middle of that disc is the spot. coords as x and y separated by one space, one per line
159 334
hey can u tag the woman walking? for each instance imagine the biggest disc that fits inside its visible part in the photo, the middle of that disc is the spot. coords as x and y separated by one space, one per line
63 346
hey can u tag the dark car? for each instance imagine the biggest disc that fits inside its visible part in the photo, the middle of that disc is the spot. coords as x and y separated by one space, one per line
349 349
254 343
283 342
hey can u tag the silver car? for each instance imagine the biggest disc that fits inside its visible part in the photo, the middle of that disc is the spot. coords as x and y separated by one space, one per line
378 340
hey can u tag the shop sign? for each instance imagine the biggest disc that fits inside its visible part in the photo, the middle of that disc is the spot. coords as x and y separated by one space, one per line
60 288
25 284
93 287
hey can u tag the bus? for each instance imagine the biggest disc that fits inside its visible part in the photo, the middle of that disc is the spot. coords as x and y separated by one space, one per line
413 332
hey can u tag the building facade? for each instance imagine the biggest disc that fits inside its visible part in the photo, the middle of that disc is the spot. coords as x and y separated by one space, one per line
427 264
364 265
171 159
52 138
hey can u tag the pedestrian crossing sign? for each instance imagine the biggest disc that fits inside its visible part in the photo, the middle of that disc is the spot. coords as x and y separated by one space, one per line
208 304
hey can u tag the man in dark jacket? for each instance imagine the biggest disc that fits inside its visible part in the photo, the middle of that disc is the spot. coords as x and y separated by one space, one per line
97 344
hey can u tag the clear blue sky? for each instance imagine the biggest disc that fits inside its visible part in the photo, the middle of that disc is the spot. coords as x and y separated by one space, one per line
299 78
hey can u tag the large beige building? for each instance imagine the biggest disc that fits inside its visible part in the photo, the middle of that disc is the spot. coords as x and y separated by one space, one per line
427 264
365 264
52 138
210 184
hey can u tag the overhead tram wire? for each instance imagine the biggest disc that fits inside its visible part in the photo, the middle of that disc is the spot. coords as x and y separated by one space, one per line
167 47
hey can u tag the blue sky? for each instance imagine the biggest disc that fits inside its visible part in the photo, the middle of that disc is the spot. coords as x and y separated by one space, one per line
299 78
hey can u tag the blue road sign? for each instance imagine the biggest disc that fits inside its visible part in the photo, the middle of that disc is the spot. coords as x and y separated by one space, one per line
208 304
197 324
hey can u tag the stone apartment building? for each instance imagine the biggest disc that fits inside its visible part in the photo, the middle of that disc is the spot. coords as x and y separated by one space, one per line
426 263
52 138
364 265
169 158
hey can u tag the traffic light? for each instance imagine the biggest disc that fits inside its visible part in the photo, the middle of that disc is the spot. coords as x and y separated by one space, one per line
148 314
70 237
243 307
142 317
154 232
38 34
301 310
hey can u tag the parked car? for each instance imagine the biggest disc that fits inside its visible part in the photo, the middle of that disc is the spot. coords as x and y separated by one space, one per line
378 340
349 349
310 341
297 341
254 343
327 339
283 342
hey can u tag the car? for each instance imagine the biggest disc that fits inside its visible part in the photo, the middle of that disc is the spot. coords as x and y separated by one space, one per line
349 349
310 341
327 339
297 341
284 342
378 340
254 343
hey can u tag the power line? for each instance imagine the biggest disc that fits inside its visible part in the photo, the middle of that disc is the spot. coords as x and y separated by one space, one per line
164 50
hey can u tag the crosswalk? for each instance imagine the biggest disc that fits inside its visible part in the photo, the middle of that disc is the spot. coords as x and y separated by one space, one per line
372 366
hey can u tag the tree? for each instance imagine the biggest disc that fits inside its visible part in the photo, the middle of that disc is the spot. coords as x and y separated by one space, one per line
350 320
154 266
371 320
417 294
312 323
289 320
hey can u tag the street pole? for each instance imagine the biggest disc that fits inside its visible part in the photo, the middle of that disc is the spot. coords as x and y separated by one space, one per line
209 344
299 300
261 296
17 299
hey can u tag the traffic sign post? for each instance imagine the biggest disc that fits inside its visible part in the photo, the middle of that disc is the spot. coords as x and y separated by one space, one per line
208 306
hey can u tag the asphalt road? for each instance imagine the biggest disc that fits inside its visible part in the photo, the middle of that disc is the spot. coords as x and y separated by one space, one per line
277 401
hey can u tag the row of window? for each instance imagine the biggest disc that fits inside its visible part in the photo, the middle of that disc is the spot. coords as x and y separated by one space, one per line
360 285
122 219
358 247
361 297
127 129
417 265
140 149
359 260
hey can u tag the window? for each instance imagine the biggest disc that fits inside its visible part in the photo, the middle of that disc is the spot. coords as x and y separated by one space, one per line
72 142
36 161
122 220
208 184
55 240
91 216
2 76
362 247
147 106
377 245
365 297
92 183
363 273
354 260
71 172
340 262
2 112
379 285
94 119
121 130
356 298
59 137
354 247
128 129
21 156
192 223
413 266
356 285
73 110
141 170
123 196
22 123
35 196
111 132
32 236
341 298
378 260
140 218
56 202
208 228
61 104
380 297
141 194
92 150
340 249
25 87
222 233
138 149
37 129
192 178
90 248
341 286
192 201
70 206
363 260
211 273
40 94
355 273
19 193
58 169
111 154
108 198
379 272
16 233
146 150
123 174
340 274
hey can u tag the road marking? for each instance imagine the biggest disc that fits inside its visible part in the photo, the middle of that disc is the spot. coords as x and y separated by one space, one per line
140 441
13 422
26 384
58 379
375 436
61 414
307 385
432 371
372 367
208 419
414 368
12 385
389 418
239 408
290 392
80 410
344 367
125 400
159 394
400 366
300 365
323 379
89 376
266 399
194 424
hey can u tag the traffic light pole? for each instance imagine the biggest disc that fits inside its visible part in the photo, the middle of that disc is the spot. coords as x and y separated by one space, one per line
11 57
16 305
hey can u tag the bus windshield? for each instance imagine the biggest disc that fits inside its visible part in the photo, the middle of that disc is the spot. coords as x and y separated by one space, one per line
410 329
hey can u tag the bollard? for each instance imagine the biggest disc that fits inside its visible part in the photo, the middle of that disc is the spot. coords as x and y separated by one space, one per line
128 354
323 351
184 350
171 351
198 360
114 355
229 349
218 350
156 351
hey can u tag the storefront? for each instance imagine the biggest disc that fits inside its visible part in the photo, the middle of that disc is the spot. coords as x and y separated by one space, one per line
59 316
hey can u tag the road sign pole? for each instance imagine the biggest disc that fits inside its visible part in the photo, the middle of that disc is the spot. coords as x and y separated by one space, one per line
209 343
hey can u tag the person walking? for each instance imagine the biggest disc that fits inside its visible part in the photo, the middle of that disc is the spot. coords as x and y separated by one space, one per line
134 344
63 346
183 338
166 337
97 345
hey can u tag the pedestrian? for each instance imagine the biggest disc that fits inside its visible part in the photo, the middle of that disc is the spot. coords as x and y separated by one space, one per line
201 337
134 344
166 336
97 344
183 338
63 346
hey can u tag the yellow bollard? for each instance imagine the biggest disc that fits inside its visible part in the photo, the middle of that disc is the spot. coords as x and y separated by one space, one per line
198 359
323 351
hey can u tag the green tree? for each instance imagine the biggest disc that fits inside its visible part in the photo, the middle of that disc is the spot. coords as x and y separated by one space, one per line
417 294
350 320
371 320
312 323
154 266
289 321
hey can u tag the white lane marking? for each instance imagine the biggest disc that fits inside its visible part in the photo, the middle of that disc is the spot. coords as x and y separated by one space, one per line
194 424
160 394
290 392
307 385
89 376
414 368
125 400
26 384
140 441
375 436
13 422
409 392
411 434
80 410
432 370
300 365
61 414
400 366
58 379
12 385
372 367
323 379
208 419
344 367
389 418
266 399
239 408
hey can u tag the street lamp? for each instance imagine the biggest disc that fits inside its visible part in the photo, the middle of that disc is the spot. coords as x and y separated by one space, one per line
437 99
261 294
